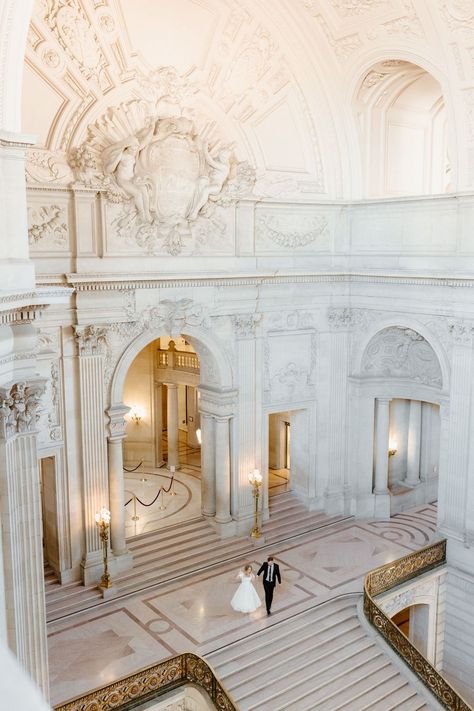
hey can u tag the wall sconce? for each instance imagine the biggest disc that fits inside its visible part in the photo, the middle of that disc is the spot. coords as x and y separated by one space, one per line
392 448
135 414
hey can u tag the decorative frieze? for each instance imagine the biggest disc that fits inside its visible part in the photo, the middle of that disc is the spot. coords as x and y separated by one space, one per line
290 230
48 226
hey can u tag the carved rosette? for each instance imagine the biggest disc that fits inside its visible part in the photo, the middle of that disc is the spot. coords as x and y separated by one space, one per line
20 407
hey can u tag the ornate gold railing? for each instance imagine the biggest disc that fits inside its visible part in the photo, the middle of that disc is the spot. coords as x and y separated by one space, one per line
388 576
152 682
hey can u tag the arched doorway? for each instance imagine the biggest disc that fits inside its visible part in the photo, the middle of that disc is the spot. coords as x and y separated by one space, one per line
162 448
217 402
402 123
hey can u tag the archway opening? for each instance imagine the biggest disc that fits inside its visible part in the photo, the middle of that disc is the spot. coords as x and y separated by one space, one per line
162 449
279 453
402 122
413 621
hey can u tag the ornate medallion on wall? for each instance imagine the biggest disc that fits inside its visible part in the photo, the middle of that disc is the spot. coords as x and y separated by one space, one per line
164 180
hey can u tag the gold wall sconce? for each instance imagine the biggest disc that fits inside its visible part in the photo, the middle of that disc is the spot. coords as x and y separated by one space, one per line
392 448
136 414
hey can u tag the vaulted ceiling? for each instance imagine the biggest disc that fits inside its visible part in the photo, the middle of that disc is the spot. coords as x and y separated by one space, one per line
276 79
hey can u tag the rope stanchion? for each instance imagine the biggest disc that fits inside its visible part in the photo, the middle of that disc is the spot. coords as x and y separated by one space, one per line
160 490
134 469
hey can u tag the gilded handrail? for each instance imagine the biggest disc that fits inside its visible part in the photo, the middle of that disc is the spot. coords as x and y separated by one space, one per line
388 576
151 682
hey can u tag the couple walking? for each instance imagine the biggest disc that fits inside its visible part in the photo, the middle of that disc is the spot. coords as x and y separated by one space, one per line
246 598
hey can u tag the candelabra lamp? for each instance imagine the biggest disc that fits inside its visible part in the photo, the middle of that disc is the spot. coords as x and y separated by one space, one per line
255 480
102 520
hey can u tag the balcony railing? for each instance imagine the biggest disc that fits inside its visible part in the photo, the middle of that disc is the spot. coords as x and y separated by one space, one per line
151 683
388 576
178 360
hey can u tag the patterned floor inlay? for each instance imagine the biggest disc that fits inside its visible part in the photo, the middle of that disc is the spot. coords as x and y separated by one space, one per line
94 647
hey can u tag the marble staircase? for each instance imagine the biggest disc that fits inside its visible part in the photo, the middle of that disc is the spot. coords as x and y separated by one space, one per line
320 659
185 548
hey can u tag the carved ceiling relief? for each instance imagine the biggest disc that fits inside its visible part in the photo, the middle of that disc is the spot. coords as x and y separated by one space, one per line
161 176
401 353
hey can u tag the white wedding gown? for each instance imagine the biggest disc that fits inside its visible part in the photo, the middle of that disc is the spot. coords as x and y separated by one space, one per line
246 598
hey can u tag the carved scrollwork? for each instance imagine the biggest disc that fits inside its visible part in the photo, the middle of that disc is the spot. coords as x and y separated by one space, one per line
152 682
389 576
402 353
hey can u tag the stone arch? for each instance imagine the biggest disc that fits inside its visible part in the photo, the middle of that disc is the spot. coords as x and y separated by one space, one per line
424 70
215 364
431 341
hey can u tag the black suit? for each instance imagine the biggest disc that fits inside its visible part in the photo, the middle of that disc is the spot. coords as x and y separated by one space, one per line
269 585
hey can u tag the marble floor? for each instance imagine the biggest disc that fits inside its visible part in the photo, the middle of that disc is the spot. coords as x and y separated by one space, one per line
94 647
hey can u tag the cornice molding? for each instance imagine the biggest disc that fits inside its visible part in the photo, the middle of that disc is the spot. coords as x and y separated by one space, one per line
120 281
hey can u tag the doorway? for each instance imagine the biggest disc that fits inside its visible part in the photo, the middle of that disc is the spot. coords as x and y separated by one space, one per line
47 467
279 453
413 621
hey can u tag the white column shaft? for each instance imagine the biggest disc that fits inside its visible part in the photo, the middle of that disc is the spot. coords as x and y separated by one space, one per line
414 443
208 466
173 425
382 421
159 424
117 496
222 470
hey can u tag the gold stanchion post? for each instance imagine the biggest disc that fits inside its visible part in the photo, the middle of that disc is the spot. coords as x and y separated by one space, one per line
255 480
102 520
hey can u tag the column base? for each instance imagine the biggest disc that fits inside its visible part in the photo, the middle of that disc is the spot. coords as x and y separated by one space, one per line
224 529
334 502
208 514
121 561
410 484
108 593
381 504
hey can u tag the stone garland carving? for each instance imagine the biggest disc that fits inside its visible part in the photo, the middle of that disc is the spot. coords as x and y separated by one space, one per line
290 321
350 8
153 162
54 423
44 166
19 408
461 332
48 224
291 382
402 353
280 229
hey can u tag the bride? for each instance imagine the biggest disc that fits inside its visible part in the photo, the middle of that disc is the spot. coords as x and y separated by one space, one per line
246 598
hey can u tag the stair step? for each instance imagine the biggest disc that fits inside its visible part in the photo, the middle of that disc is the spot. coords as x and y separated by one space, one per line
379 697
297 684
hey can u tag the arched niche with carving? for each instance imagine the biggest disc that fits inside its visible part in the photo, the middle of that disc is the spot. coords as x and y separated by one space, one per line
402 122
401 353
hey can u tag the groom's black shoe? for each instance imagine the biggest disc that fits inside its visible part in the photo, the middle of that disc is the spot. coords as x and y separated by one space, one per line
269 612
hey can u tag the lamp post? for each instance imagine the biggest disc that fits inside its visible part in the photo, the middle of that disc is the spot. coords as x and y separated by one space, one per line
102 520
255 480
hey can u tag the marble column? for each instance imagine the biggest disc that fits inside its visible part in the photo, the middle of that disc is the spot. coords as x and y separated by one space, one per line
21 531
222 470
382 422
208 466
414 444
95 475
159 461
173 425
116 478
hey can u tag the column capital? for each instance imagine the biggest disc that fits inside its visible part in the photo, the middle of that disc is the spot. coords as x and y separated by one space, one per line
383 399
91 340
117 424
20 407
171 385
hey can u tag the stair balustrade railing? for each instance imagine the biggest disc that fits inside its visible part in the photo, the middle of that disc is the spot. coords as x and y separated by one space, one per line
389 576
151 683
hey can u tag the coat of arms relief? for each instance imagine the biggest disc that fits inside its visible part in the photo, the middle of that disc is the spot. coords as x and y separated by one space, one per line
163 171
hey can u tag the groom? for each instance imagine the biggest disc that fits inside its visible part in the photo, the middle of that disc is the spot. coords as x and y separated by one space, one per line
271 572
